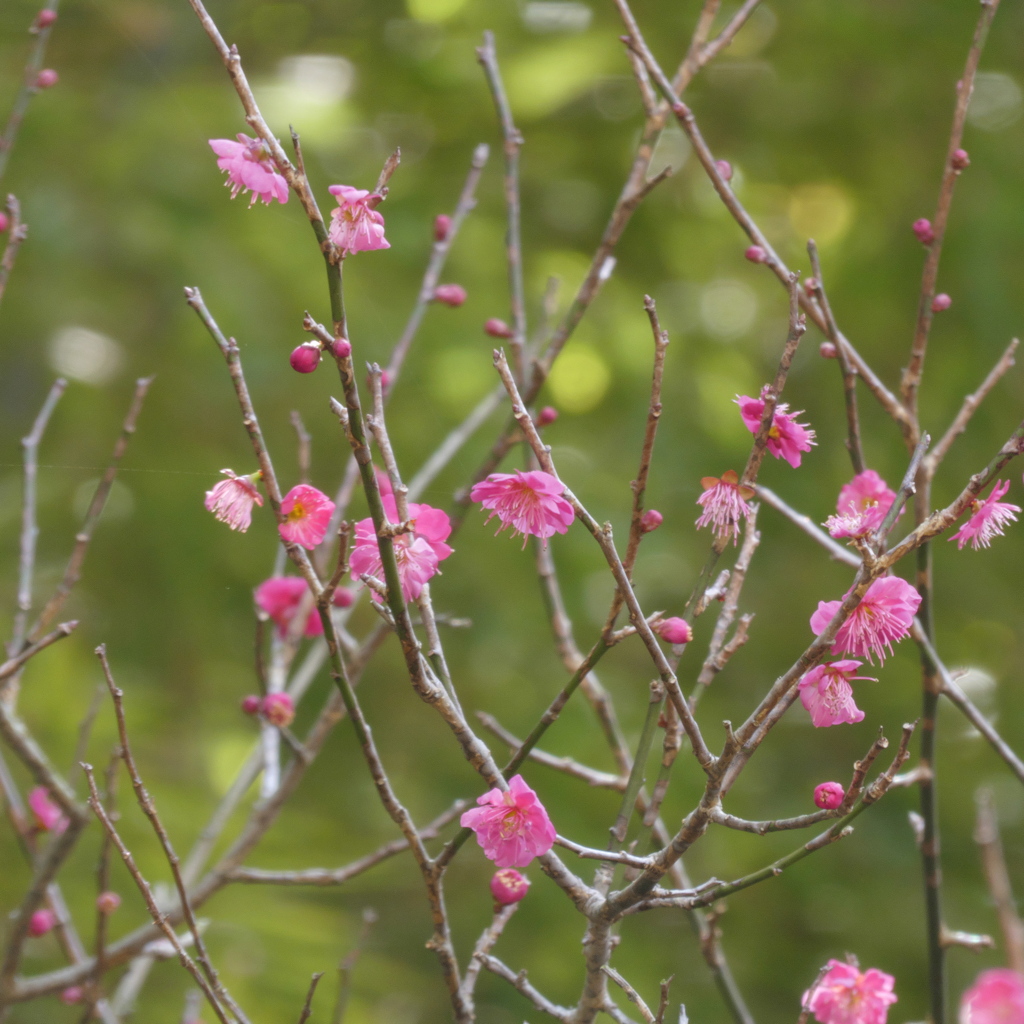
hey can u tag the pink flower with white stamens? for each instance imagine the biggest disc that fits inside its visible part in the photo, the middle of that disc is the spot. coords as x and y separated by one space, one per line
883 617
862 505
250 169
725 503
307 514
356 226
231 500
826 693
280 597
988 519
530 503
48 816
786 438
512 826
417 553
846 996
997 997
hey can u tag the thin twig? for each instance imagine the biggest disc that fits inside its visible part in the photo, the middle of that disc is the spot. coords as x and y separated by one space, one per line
348 964
307 1009
986 835
18 234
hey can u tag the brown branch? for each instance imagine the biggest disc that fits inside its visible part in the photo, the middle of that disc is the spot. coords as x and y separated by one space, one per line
487 941
18 234
521 985
986 835
307 1008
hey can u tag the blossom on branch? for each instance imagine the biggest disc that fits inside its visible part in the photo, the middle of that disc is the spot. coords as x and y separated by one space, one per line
997 997
845 996
883 617
988 519
725 503
828 795
356 226
862 505
280 597
531 502
508 886
674 631
826 693
231 500
417 552
307 514
786 438
250 169
512 827
47 815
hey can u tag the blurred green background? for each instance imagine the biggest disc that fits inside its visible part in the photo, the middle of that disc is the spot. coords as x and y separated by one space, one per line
835 117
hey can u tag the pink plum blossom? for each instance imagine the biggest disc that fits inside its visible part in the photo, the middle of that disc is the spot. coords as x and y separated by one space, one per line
862 505
846 996
997 997
988 519
417 553
356 226
883 617
280 597
651 520
278 709
786 438
530 502
828 795
826 693
250 169
508 886
512 826
48 816
307 514
674 630
231 500
725 503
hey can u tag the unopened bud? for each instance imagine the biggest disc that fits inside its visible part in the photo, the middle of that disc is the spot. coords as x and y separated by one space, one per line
47 78
756 254
342 348
442 225
922 227
508 886
71 995
41 922
941 302
810 286
724 169
497 328
5 222
651 520
828 795
306 358
450 294
251 704
547 415
108 902
827 350
674 631
960 160
44 19
278 709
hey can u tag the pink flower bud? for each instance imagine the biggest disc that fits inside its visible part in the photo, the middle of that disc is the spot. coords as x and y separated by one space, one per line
342 348
724 168
508 886
306 358
442 225
922 227
674 631
41 922
960 160
810 285
756 254
108 902
45 18
343 598
547 415
498 328
278 709
251 704
940 302
450 294
71 995
47 78
651 520
385 381
5 222
828 795
827 350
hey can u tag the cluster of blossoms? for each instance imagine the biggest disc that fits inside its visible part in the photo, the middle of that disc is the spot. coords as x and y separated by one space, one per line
276 708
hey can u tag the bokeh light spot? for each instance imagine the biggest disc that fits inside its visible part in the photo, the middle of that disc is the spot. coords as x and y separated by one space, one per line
822 211
579 379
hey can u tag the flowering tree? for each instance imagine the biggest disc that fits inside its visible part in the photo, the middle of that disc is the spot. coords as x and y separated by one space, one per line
332 564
